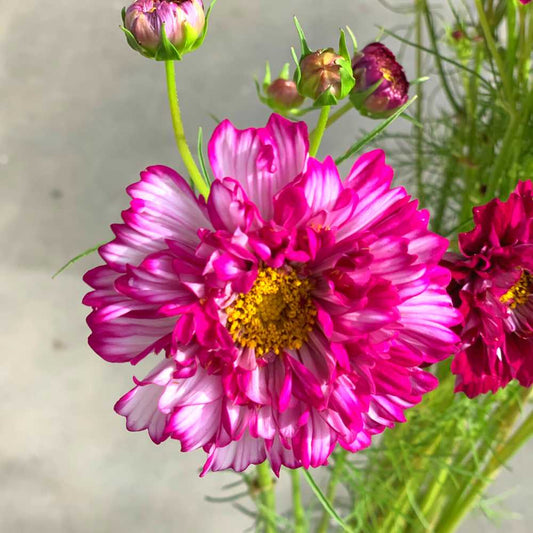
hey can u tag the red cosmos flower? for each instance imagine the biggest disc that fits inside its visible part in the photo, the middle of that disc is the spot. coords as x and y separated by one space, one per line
493 288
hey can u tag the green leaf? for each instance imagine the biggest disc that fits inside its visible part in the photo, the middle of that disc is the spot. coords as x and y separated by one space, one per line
200 151
305 48
442 58
78 257
326 504
374 133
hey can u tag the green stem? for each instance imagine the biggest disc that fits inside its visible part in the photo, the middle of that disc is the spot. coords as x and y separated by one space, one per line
338 468
298 510
419 132
493 49
501 162
267 497
435 45
179 132
464 502
318 132
339 113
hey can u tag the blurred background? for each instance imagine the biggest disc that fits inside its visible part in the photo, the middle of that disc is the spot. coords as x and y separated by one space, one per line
80 115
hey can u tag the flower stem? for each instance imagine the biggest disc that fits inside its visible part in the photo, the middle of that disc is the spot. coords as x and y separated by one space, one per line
503 453
493 49
298 510
435 46
419 132
340 458
318 132
268 501
179 132
339 113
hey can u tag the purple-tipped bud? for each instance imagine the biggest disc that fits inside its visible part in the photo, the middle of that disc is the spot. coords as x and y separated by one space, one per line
524 2
321 73
380 83
183 22
283 95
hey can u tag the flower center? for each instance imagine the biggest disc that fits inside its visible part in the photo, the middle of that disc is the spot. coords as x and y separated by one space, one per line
519 293
276 314
387 74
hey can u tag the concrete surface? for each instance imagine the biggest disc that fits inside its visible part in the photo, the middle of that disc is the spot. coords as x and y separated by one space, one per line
80 115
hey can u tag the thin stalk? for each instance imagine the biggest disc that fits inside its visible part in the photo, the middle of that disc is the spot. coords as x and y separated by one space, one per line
179 132
435 45
502 160
267 497
339 113
340 459
493 49
318 132
464 502
419 132
300 525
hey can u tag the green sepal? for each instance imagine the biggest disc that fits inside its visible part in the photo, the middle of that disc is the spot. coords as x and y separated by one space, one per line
303 43
358 99
199 41
354 40
298 72
347 79
134 44
267 80
326 99
285 72
343 49
123 15
166 51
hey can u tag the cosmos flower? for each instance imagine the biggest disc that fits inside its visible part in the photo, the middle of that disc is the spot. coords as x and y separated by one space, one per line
493 287
291 310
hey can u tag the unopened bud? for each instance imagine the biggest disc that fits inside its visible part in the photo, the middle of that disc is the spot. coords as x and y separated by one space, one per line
165 29
283 95
321 74
380 83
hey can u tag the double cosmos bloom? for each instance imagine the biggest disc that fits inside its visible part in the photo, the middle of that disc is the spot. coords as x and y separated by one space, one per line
291 311
493 287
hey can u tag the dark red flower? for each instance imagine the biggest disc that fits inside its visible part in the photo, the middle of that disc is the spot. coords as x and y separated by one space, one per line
493 288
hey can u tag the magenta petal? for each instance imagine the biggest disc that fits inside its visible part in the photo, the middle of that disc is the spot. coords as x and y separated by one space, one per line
263 160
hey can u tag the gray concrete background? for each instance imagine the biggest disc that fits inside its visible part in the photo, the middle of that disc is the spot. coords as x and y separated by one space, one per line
80 115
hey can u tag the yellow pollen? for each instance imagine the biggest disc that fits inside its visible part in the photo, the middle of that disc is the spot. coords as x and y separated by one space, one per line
276 314
387 74
519 293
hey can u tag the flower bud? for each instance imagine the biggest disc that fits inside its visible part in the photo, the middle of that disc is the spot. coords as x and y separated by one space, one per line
325 76
380 83
525 2
283 95
164 29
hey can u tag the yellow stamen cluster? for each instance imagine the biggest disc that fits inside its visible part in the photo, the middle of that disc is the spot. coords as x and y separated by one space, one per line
276 314
519 293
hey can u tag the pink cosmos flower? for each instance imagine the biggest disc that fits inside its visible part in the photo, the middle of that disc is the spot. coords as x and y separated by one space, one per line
493 287
292 310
